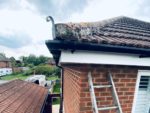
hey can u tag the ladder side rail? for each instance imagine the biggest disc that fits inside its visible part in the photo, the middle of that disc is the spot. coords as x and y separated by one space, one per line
115 95
92 93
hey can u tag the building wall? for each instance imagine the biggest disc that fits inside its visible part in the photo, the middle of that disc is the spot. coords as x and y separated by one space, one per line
5 71
71 91
5 68
5 64
20 69
76 90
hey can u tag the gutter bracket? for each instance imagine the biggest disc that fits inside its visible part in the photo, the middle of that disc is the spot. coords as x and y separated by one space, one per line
72 51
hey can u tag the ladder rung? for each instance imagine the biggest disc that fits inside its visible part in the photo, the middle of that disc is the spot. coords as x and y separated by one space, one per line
102 86
108 108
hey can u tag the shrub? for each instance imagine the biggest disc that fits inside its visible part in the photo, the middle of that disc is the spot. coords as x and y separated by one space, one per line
57 71
46 70
28 72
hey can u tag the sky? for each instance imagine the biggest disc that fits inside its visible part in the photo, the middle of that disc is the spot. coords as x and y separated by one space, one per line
23 26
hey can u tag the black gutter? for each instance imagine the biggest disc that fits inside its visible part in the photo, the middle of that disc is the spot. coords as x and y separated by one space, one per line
74 45
55 46
62 89
43 107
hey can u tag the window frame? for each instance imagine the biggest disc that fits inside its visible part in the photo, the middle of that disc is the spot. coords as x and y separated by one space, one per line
139 74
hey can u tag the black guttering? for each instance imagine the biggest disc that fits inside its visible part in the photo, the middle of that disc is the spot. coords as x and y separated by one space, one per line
43 106
55 46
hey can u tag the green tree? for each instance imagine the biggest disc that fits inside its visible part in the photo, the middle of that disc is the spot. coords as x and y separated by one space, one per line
3 55
34 60
13 61
42 59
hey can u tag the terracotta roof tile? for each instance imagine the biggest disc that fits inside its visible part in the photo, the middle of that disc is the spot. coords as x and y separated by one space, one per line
122 31
18 96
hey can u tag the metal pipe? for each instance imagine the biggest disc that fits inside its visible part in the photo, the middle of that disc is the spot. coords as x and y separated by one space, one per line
50 18
62 87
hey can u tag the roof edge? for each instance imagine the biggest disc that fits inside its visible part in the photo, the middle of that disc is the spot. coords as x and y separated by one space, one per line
55 47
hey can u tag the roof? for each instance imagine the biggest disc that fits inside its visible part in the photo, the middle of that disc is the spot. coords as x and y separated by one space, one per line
3 58
51 62
18 96
120 32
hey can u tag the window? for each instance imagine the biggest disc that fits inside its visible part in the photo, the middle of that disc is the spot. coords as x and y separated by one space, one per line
144 81
141 102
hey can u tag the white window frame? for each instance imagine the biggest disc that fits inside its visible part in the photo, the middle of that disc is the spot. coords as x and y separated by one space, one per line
140 73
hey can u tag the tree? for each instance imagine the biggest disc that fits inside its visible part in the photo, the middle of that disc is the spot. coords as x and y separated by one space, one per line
47 70
33 60
13 61
42 59
3 55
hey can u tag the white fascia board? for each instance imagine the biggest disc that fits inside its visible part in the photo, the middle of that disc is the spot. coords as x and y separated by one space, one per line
87 57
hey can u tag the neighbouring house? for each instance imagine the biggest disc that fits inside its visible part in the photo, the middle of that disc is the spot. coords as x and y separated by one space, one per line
20 69
5 65
18 62
51 62
118 46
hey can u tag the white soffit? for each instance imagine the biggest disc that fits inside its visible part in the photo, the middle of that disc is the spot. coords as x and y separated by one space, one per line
87 57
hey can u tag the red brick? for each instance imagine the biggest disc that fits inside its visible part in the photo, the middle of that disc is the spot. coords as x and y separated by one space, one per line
76 90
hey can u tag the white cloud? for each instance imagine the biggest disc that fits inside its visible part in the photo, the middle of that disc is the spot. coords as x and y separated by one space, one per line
25 19
37 49
103 9
15 24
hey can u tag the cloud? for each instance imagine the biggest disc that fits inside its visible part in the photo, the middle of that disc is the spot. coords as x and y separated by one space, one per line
103 9
4 3
15 4
15 41
23 25
60 9
36 49
23 29
142 8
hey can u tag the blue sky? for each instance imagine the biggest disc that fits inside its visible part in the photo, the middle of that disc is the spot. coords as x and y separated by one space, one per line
23 28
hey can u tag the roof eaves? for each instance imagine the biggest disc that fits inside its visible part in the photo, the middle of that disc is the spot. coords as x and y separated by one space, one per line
55 46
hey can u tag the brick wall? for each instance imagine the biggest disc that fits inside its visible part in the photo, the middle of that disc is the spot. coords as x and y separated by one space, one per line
71 90
76 90
5 64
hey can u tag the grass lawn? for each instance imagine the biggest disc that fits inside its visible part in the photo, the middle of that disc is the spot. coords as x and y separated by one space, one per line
56 101
23 77
12 77
56 90
52 78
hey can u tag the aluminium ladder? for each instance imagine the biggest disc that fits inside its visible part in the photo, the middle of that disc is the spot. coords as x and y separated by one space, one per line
117 105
